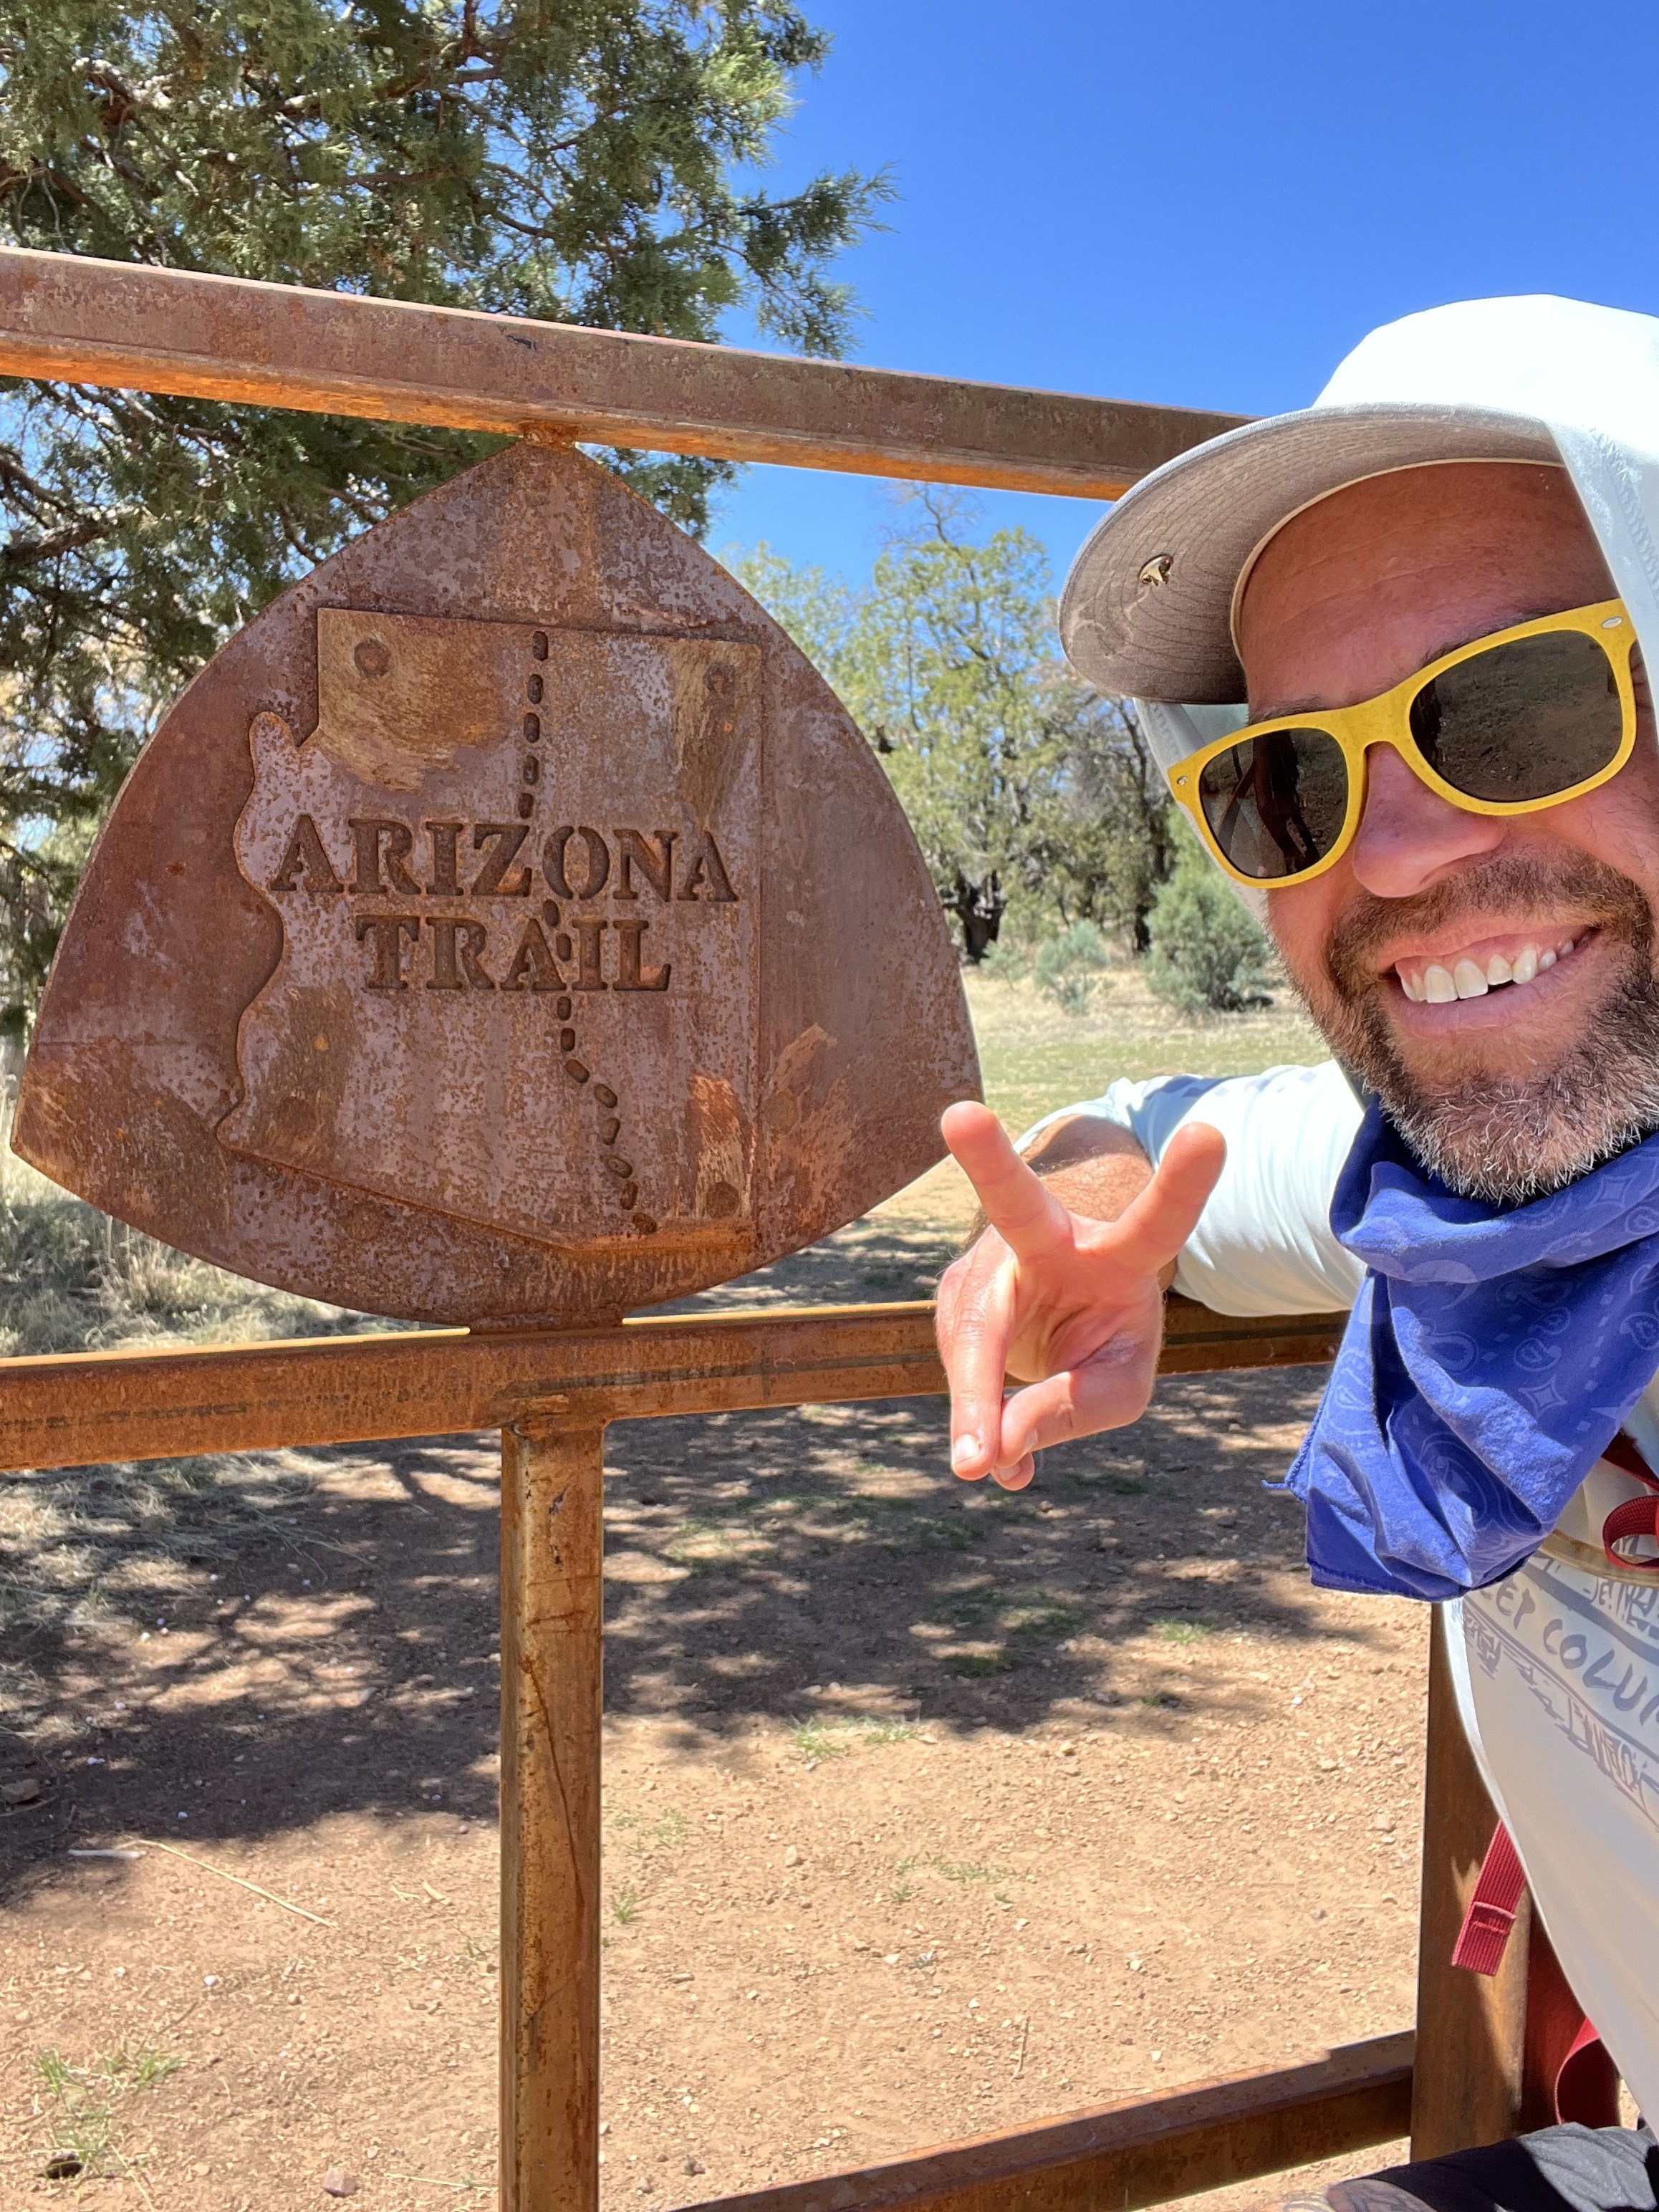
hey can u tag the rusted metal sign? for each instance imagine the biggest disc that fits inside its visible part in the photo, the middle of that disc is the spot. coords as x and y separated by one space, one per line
509 927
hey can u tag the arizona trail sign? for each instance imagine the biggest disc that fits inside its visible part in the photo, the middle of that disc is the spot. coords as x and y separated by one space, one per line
509 927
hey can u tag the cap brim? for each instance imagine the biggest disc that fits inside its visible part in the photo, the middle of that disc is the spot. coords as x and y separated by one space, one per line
1196 522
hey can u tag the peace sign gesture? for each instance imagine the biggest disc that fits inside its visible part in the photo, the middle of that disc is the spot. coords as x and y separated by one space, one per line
1071 1304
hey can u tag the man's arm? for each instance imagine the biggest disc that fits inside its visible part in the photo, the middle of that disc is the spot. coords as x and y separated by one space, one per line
1092 1166
1264 1244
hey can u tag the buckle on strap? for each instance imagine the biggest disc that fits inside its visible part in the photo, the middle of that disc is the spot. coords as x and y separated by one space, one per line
1586 2086
1488 1924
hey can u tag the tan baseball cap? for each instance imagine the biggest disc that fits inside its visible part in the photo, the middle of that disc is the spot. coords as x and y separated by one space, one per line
1148 607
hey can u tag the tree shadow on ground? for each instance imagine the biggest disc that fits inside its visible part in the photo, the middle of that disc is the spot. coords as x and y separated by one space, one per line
754 1559
224 1649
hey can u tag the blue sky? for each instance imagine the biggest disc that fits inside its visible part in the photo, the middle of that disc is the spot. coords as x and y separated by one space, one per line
1201 204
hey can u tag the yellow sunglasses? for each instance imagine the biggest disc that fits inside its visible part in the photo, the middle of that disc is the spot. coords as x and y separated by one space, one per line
1514 723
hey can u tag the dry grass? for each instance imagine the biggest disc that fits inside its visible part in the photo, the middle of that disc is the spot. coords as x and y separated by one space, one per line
1035 1059
84 2107
73 1280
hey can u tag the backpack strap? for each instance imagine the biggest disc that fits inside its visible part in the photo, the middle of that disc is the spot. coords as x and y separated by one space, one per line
1636 1516
1586 2087
1490 1921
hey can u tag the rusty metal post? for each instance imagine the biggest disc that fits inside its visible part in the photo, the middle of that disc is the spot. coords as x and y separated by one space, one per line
1469 2080
552 1475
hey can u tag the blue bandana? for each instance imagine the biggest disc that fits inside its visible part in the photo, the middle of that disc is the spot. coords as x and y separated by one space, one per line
1489 1359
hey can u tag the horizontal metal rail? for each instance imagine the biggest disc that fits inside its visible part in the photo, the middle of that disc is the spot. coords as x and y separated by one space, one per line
71 1409
1143 2151
336 353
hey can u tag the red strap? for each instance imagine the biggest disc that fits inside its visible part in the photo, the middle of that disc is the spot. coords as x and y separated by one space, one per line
1485 1935
1587 2082
1625 1455
1636 1516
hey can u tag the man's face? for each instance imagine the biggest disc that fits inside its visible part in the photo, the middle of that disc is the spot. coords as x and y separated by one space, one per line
1522 1089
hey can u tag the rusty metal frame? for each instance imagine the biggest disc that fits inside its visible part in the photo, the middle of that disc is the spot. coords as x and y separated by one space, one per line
336 353
551 1395
71 1408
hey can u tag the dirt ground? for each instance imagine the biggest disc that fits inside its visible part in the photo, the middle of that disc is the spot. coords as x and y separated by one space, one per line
928 1810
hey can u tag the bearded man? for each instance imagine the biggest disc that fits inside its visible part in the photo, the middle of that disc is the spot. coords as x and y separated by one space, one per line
1435 588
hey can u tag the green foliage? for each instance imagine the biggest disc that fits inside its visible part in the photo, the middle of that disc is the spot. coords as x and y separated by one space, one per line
1026 790
1207 951
586 160
1118 822
819 1740
1069 967
87 2105
1006 961
819 610
1184 1631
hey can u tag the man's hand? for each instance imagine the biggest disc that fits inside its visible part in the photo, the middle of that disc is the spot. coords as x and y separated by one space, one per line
1073 1303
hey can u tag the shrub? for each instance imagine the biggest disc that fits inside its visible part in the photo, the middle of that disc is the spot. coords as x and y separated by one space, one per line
1005 960
1207 951
1068 967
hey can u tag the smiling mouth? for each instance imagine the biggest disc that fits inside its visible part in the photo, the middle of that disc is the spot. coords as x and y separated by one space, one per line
1472 974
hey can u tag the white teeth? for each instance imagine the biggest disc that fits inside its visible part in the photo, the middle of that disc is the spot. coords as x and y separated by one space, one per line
1471 983
1438 985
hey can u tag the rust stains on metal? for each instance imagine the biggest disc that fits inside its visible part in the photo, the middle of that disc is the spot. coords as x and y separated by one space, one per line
1197 1341
223 338
380 677
552 1614
452 945
67 1408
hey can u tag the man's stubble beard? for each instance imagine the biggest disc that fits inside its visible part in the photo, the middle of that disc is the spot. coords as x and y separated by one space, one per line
1505 1137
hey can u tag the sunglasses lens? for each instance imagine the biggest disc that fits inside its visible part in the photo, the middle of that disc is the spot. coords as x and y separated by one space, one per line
1276 804
1523 721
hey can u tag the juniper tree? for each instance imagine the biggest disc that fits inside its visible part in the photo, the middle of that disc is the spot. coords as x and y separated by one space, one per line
587 160
1025 788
